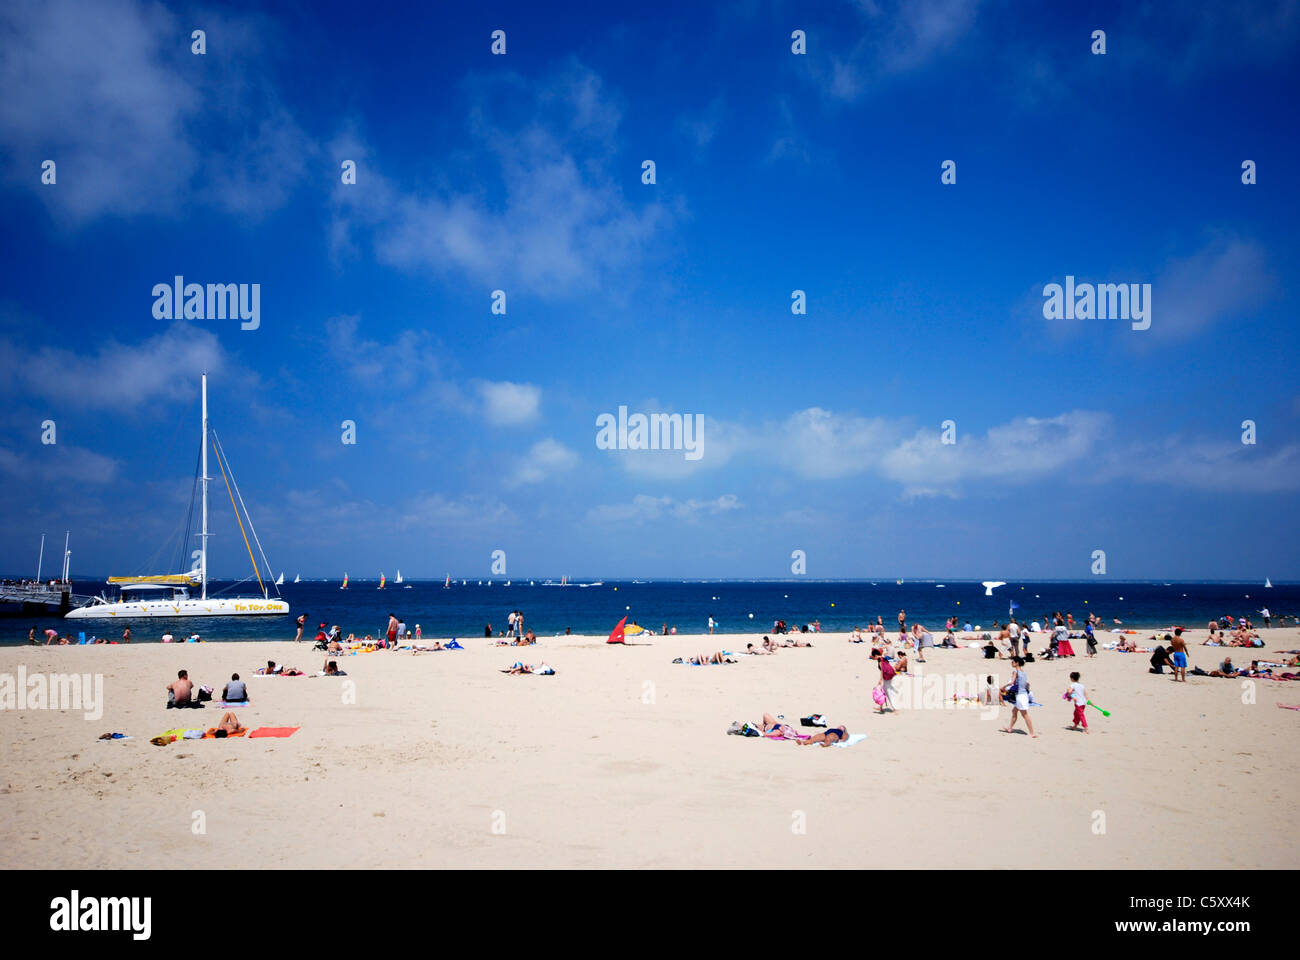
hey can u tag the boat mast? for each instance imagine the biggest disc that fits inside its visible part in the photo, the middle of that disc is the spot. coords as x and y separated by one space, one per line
203 552
40 559
67 556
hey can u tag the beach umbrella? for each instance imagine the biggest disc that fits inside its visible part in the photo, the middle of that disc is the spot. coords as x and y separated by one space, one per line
616 635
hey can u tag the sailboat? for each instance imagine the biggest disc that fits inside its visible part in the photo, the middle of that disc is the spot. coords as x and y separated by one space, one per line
382 581
345 582
296 578
399 576
1268 582
168 595
280 581
447 585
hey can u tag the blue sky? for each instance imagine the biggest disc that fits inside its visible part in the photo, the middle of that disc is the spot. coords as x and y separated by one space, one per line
775 172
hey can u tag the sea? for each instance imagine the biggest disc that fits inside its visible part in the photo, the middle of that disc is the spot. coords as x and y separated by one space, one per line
465 609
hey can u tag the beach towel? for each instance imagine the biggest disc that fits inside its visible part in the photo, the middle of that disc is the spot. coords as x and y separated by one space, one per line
236 703
853 738
453 645
211 734
274 732
780 735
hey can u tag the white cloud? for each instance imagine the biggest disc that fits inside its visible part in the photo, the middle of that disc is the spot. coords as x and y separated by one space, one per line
117 376
544 459
58 464
646 509
135 122
562 222
508 404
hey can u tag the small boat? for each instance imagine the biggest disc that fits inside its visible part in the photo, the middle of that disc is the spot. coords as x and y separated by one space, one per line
399 576
447 585
991 585
297 578
280 580
1268 582
507 583
382 581
345 582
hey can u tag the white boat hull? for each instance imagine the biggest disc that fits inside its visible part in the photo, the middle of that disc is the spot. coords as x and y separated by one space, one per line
212 607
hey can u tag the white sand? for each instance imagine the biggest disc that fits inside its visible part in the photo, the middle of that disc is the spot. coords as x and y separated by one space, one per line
621 760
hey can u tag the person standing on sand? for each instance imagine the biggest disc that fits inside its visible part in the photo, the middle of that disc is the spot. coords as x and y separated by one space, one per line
302 622
711 625
1178 653
902 621
1268 618
392 631
1018 688
126 635
1077 693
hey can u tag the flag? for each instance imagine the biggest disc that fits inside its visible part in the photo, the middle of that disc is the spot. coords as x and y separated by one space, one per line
616 635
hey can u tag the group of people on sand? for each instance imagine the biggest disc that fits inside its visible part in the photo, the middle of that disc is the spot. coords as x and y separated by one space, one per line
770 646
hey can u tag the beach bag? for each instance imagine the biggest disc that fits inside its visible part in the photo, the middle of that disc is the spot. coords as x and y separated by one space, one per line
887 670
878 695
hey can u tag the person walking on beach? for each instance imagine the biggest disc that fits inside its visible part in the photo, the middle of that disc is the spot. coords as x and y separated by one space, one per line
1079 695
1013 634
1268 618
887 673
126 635
302 622
1018 689
711 624
519 624
510 624
1178 653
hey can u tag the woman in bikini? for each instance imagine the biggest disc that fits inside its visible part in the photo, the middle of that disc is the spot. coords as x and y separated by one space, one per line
828 737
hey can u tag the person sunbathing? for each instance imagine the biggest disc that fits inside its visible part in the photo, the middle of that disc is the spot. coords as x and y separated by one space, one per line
796 642
1126 645
704 659
828 737
332 669
775 725
521 668
229 725
757 651
769 645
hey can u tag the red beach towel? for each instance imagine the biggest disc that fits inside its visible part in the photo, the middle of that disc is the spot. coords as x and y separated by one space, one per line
273 732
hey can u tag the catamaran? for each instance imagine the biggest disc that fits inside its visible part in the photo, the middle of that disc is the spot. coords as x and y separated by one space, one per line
447 585
381 581
345 582
398 578
296 578
168 595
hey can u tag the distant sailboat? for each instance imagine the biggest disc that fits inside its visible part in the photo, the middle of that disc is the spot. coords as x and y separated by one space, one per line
296 578
1268 582
991 585
447 585
507 583
382 581
345 582
280 582
399 576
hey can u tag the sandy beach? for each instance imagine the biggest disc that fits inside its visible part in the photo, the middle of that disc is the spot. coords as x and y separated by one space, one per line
621 759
